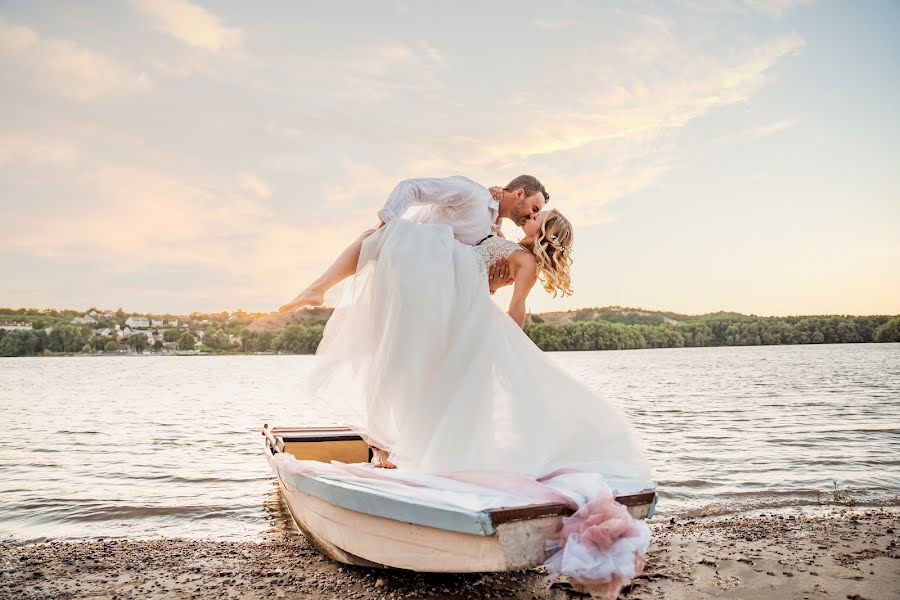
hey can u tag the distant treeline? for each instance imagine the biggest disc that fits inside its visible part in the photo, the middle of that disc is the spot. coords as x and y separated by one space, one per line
599 333
602 333
589 329
300 338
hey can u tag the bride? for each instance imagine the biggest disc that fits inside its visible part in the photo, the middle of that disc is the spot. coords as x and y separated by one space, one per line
418 357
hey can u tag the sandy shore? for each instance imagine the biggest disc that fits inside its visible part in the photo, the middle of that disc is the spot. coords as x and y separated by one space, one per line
829 554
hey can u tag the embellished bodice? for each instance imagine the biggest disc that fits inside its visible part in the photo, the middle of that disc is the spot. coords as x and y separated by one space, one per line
494 248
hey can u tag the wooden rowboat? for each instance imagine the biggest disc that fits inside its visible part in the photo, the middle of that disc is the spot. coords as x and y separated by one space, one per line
366 526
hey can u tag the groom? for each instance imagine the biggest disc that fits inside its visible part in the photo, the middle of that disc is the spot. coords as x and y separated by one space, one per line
472 210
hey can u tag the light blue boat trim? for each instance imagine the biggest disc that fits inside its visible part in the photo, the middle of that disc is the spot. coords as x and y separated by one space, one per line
378 504
652 506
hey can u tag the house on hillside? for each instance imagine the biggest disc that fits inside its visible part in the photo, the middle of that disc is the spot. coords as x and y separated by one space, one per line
137 322
85 320
15 325
157 323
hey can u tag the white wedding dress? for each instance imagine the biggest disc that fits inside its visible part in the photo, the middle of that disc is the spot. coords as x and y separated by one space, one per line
419 358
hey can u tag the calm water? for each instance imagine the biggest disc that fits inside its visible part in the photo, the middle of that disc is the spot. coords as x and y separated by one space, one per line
170 446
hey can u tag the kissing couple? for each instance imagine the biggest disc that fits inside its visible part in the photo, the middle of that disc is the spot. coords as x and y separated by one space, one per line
429 370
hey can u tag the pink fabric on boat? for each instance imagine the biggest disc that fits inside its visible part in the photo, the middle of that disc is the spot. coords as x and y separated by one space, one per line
513 483
368 473
601 547
556 473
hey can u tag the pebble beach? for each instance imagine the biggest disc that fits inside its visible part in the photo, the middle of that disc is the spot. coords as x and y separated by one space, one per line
829 553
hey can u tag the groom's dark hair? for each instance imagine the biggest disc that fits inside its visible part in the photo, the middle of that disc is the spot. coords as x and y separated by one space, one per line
530 184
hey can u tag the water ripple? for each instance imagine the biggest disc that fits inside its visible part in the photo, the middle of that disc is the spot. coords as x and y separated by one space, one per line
170 446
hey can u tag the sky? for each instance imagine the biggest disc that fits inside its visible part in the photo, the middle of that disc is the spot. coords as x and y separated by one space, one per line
175 156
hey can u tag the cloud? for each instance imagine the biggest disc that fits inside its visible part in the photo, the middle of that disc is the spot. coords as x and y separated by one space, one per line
775 8
136 213
190 23
125 220
35 151
62 67
761 131
375 73
552 24
634 109
623 127
255 185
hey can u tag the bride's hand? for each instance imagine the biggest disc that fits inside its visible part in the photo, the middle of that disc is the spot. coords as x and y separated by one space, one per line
498 274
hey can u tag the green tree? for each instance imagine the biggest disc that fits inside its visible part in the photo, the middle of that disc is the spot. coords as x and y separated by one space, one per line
264 341
87 348
216 339
9 346
186 341
170 335
300 338
68 338
111 346
139 341
888 332
20 343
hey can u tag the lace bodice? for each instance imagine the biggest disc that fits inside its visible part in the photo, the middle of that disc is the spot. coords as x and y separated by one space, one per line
494 248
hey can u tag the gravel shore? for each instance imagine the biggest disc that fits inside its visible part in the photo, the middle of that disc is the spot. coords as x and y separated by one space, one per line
830 554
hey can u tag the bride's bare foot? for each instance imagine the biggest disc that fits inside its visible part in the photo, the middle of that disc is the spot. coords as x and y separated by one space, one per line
380 458
305 298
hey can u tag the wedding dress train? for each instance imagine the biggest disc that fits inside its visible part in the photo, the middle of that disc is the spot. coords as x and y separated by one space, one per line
419 358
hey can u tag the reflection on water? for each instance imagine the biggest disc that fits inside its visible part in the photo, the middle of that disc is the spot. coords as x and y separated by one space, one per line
278 516
170 446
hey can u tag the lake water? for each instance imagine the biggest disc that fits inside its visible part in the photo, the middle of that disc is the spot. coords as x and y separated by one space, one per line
170 446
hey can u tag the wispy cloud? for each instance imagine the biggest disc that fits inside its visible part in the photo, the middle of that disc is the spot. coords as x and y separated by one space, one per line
62 67
190 24
775 8
623 125
552 24
254 185
631 110
760 131
36 151
128 219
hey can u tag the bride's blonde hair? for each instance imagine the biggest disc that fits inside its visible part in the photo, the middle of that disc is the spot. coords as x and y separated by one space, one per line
553 250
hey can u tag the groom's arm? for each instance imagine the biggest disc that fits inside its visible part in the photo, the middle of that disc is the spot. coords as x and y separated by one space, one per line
445 191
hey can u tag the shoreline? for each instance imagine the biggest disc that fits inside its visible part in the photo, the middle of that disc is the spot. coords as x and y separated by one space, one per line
189 353
830 553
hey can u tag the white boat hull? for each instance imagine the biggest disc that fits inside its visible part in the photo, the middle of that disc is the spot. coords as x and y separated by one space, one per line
357 538
364 527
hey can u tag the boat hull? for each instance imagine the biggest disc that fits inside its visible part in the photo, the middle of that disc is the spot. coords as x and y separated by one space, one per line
360 527
359 539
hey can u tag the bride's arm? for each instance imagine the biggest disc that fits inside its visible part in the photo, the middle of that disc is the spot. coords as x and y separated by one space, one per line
524 269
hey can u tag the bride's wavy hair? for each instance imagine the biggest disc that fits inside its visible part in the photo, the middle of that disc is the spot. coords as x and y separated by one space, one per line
553 250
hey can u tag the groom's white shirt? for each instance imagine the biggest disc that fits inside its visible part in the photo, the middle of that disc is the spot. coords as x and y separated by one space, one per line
457 201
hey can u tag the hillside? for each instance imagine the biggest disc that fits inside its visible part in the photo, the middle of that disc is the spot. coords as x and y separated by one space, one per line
275 322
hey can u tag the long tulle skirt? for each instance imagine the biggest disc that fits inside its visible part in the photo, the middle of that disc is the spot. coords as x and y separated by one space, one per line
419 358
